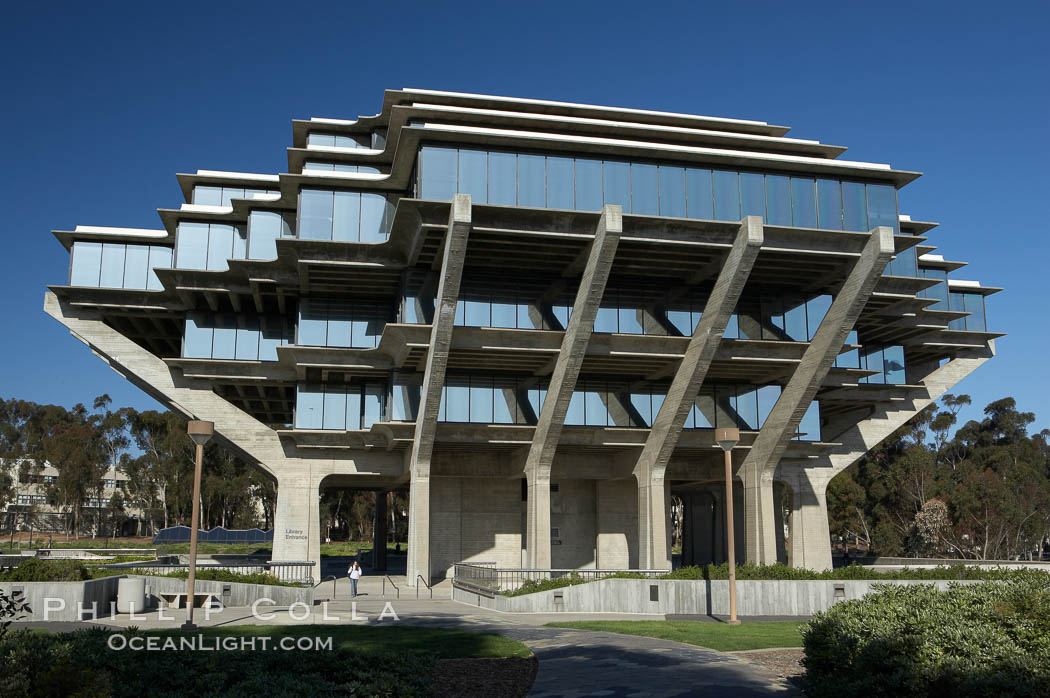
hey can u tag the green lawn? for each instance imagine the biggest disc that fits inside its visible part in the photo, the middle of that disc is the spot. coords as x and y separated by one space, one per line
713 635
439 642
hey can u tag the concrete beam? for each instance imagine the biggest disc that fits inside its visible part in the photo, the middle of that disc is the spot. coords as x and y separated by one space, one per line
810 537
454 253
667 426
563 382
759 465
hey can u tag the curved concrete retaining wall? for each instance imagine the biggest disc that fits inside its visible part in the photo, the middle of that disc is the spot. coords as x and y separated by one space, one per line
685 597
70 601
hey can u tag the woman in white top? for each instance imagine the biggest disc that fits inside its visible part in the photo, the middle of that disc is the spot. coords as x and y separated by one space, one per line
355 574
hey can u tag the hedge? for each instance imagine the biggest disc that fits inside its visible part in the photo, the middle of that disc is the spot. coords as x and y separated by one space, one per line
39 570
777 571
80 663
990 639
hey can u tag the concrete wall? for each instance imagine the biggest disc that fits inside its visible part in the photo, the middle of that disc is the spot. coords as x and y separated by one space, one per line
474 519
685 597
66 601
574 514
617 524
240 596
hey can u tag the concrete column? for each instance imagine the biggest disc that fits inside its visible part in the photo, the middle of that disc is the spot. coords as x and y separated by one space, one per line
599 260
297 521
654 551
459 224
810 535
784 418
379 533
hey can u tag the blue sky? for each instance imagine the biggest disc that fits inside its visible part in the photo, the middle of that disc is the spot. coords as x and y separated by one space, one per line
105 102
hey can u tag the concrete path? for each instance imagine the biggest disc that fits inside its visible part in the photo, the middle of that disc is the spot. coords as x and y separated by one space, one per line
571 662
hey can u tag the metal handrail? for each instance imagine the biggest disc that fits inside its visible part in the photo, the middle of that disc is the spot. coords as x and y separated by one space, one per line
420 578
494 580
333 578
386 578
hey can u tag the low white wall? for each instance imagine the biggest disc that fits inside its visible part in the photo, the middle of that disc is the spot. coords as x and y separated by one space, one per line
685 597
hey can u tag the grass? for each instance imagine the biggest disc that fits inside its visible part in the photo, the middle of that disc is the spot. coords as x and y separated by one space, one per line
442 643
716 636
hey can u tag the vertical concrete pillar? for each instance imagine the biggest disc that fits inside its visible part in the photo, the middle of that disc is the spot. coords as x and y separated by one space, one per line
810 536
801 389
654 548
459 224
297 521
598 264
379 533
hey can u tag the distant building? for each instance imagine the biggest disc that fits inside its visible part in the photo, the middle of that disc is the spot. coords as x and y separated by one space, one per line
532 315
30 507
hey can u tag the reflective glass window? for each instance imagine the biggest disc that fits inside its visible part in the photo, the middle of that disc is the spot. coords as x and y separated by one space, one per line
340 325
313 321
629 322
778 200
406 390
560 184
112 265
220 247
473 175
272 335
374 218
264 227
207 196
372 410
643 405
726 195
809 427
803 202
354 407
86 265
532 181
247 338
334 407
481 400
672 191
703 412
680 320
752 195
502 184
767 398
854 207
698 192
159 258
616 178
596 414
346 216
816 309
589 185
605 320
873 362
456 400
974 304
309 406
576 414
645 190
893 364
504 401
136 266
882 206
504 315
829 204
315 214
747 407
224 340
197 339
437 173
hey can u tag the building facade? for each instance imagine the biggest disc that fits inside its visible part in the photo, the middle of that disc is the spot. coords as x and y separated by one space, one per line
532 315
32 505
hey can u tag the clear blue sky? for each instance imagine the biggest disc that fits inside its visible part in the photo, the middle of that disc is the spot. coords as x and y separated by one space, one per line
105 102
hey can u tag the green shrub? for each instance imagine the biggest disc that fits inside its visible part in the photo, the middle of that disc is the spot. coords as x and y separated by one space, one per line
35 569
80 663
227 576
976 640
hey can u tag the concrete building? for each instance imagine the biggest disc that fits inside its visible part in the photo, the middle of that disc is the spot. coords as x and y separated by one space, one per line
532 315
30 507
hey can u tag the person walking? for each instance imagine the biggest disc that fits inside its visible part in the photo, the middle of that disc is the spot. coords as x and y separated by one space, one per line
355 574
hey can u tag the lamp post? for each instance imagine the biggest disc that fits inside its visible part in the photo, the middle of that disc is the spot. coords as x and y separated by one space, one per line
200 432
727 439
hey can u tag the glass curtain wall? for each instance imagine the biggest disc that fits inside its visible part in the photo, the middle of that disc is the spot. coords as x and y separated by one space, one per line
938 292
888 362
209 246
117 265
224 196
972 303
339 406
315 166
264 227
332 140
234 336
344 216
549 181
340 322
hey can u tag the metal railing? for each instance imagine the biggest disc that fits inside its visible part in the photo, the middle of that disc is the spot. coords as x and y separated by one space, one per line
490 580
84 552
333 578
420 578
386 578
300 573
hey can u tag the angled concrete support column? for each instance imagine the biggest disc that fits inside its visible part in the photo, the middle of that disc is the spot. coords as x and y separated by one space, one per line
787 413
297 520
551 419
810 537
654 551
430 396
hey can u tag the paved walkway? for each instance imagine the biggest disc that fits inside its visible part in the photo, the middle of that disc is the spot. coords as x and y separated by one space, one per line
571 662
